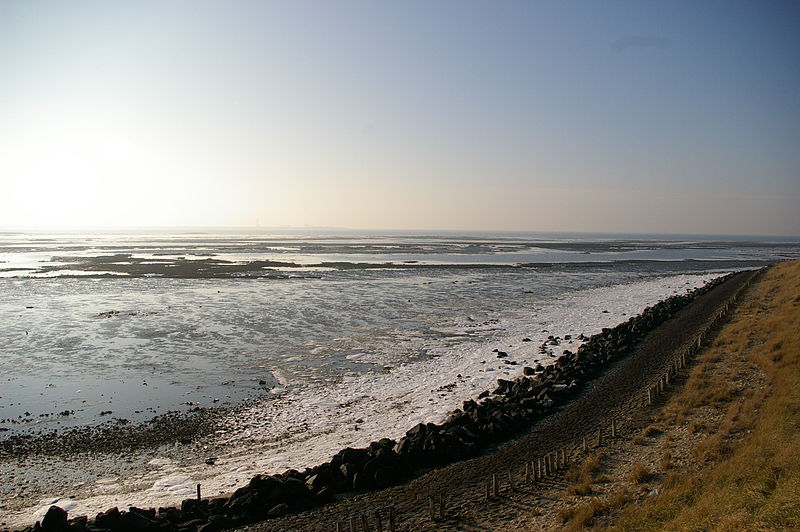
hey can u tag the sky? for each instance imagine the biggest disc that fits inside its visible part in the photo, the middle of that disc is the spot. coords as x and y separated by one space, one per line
663 117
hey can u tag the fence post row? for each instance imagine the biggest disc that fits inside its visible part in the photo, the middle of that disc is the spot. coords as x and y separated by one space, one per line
546 465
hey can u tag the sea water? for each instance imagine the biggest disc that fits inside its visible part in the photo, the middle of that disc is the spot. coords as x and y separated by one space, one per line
336 340
82 346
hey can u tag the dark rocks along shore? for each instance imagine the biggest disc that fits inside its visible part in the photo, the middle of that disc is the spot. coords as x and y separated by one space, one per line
512 407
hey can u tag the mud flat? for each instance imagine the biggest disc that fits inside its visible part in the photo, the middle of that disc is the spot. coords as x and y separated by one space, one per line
618 393
468 432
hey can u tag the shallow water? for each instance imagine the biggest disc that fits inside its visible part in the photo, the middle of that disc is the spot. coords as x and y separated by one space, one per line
81 349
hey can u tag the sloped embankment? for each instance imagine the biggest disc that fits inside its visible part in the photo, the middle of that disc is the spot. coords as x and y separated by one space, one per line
535 399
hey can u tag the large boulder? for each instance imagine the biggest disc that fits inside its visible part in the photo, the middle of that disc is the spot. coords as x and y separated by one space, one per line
55 520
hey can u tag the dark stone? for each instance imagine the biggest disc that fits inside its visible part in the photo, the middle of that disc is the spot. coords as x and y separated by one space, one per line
418 429
325 494
190 525
150 513
107 519
295 487
173 515
77 524
55 519
402 446
220 521
278 510
362 482
135 522
195 508
353 456
314 483
386 476
349 470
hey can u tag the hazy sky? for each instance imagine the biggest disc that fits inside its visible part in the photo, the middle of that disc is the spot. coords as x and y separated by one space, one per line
547 116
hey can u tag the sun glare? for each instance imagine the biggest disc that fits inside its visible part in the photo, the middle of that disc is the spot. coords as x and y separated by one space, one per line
80 172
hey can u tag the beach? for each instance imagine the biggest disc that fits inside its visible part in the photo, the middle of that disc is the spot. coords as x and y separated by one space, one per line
159 461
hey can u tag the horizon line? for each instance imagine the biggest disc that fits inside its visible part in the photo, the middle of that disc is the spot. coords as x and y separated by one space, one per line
395 232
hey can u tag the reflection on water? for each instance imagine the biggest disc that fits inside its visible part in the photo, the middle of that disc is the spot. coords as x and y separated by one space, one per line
75 349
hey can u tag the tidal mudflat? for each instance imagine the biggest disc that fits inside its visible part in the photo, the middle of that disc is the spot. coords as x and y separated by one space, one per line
252 374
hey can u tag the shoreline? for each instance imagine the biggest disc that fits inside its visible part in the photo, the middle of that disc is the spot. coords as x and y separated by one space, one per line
617 393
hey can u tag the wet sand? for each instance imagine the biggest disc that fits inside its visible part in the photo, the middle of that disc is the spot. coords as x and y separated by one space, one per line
618 393
176 432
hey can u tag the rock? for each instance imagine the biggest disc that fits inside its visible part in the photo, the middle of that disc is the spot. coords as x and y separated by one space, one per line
78 524
190 525
193 507
418 429
107 519
208 527
349 470
173 515
220 521
386 476
402 446
55 519
135 522
362 481
295 487
353 456
314 483
325 494
278 510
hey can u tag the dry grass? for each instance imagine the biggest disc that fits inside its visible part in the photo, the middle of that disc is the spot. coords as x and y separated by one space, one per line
640 474
751 478
582 476
584 488
586 472
666 461
581 516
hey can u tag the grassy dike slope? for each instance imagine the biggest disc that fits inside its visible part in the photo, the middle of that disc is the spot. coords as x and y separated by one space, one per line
749 458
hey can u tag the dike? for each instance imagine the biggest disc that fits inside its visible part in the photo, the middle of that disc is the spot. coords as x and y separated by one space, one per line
480 425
